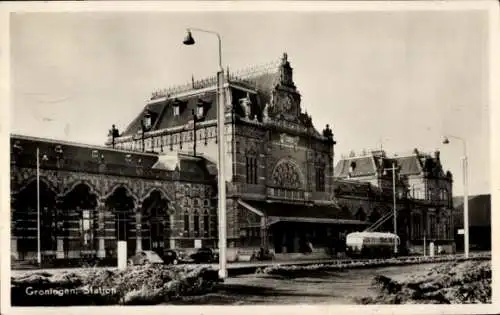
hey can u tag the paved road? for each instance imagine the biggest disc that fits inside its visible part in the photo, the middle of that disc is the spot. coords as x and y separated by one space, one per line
326 287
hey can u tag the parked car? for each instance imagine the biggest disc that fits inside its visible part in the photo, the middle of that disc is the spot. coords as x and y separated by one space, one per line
196 255
170 256
262 254
203 255
145 257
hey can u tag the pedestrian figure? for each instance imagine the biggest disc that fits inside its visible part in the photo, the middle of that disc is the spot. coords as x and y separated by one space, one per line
310 247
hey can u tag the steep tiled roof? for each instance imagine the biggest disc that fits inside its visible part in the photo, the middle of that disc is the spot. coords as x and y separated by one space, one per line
409 165
361 166
257 83
351 187
479 210
348 187
413 164
80 157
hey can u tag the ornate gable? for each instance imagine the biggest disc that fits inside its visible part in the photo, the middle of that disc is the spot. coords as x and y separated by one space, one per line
285 99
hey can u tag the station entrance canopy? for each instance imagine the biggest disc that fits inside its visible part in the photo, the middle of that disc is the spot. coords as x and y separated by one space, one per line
275 212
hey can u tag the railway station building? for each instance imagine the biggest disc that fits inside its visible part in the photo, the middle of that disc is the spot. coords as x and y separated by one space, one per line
423 193
155 183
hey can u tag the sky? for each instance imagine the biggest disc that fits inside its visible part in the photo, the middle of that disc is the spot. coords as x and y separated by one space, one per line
393 79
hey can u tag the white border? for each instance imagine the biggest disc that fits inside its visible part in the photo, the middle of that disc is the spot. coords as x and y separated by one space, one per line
172 6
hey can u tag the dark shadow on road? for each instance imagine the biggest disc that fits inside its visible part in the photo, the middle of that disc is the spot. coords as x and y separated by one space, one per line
241 294
252 290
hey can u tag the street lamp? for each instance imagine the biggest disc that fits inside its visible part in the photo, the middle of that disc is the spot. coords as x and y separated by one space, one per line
188 40
466 194
39 249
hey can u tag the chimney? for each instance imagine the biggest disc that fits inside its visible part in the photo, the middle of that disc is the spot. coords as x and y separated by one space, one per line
437 155
378 153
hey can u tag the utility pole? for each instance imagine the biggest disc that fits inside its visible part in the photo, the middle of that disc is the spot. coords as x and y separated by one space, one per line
195 120
394 205
39 249
395 214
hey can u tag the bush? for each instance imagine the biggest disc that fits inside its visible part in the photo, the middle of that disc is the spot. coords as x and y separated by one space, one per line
451 283
141 285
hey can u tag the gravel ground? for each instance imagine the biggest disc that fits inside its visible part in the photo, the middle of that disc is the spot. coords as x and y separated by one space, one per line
328 287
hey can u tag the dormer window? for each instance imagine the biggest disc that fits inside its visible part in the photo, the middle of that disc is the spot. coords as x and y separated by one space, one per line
59 149
95 154
352 167
176 108
200 111
128 158
147 121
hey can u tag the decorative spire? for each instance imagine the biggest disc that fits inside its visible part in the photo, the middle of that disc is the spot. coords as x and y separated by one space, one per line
284 60
286 72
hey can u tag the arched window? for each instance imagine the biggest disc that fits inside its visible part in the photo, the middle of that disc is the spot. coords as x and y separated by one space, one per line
48 229
87 222
416 226
360 215
374 216
206 224
433 227
157 228
196 223
444 194
320 178
186 224
251 167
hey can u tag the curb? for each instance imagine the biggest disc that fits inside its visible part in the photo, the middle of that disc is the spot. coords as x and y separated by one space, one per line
370 263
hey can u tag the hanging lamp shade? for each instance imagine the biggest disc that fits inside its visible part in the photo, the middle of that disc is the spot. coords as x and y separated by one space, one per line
188 40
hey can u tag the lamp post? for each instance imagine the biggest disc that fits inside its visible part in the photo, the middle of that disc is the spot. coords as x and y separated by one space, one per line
466 193
393 169
39 253
113 133
38 237
220 152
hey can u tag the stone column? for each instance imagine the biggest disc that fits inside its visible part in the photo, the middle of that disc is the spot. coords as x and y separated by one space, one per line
172 231
60 219
263 233
101 221
13 223
60 247
284 242
138 230
13 247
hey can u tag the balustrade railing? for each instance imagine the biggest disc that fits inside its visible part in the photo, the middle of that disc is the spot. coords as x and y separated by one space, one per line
285 193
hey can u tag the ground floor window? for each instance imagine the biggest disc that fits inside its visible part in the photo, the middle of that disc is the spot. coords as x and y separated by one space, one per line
48 228
417 227
86 228
206 224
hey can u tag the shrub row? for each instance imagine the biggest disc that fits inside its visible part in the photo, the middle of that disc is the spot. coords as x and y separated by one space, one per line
298 270
151 284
